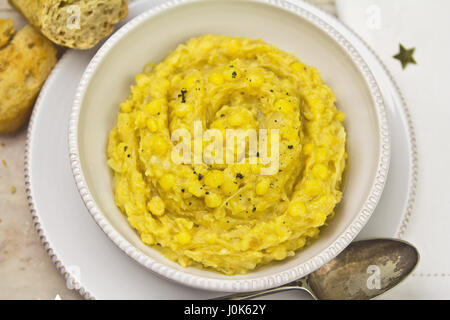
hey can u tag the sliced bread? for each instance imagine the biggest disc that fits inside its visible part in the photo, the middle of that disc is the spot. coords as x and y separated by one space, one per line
78 24
25 64
6 31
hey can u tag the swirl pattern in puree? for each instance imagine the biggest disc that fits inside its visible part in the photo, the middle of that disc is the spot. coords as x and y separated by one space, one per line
228 217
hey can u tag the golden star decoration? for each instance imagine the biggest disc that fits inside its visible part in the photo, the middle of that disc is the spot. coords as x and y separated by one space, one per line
405 56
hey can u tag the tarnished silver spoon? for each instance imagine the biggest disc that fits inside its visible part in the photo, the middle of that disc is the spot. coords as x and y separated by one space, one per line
364 270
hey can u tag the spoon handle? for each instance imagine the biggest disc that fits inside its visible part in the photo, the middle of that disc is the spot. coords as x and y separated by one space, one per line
252 295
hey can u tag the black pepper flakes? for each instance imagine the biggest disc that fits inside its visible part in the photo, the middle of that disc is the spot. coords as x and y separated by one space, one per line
290 147
125 148
128 155
200 176
182 190
183 95
206 192
234 75
239 176
254 209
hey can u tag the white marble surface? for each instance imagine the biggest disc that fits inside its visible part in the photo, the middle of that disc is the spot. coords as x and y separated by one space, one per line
26 272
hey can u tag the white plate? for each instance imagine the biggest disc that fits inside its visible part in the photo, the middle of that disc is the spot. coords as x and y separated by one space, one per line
80 249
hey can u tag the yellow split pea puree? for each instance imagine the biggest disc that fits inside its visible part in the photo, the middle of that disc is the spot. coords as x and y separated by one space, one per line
228 217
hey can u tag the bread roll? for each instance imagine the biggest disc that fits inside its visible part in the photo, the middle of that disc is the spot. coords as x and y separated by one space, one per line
6 31
25 64
78 24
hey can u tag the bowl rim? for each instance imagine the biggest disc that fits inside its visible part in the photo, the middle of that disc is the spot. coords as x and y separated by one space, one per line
302 10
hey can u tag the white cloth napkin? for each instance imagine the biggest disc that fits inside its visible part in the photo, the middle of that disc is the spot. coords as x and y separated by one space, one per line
422 24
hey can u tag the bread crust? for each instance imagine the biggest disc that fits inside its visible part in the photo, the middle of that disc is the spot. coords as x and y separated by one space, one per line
25 64
78 24
6 31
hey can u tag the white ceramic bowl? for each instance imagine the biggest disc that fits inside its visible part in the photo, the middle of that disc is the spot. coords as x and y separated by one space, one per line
151 36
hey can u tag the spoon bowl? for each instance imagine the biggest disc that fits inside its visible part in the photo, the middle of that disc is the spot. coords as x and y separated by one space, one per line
363 271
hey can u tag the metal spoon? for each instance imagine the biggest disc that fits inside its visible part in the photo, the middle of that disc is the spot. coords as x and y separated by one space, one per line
364 270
